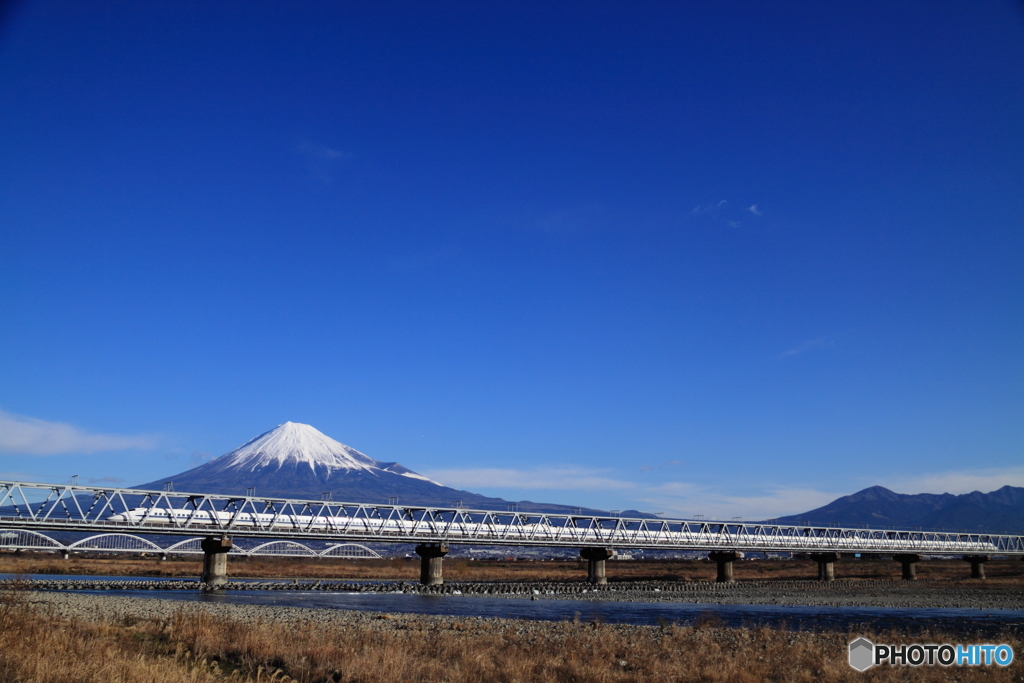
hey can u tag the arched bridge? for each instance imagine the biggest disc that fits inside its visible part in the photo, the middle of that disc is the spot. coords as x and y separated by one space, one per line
29 539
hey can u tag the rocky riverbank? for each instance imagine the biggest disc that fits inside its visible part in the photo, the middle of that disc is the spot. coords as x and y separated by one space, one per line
126 609
50 636
810 593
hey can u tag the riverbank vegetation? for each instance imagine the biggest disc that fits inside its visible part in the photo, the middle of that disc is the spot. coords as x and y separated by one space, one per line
465 569
38 646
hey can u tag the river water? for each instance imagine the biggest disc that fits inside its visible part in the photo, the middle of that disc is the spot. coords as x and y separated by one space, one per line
653 613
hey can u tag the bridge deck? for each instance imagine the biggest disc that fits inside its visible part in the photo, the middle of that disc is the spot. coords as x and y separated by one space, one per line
46 507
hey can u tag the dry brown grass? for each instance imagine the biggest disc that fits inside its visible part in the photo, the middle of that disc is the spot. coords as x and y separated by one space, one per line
462 569
37 648
195 647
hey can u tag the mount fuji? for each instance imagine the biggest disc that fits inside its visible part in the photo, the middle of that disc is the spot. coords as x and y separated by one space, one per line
296 460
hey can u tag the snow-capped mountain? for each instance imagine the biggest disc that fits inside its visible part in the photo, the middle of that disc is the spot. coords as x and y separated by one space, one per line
296 460
295 444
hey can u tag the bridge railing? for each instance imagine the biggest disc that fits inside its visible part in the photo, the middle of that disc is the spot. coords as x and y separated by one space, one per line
84 508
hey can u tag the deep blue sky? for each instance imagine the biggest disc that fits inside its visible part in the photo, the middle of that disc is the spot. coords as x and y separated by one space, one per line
717 258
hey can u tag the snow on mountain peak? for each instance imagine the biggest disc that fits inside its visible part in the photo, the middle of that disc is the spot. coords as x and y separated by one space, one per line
293 442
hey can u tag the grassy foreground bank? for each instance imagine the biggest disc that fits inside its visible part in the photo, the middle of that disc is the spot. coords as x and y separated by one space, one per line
464 569
37 645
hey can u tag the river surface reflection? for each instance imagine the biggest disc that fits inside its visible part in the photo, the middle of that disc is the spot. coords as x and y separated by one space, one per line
549 609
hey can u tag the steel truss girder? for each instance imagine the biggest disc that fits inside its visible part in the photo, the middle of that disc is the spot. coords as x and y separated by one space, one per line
26 505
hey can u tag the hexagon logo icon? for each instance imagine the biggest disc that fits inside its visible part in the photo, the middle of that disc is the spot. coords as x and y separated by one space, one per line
862 654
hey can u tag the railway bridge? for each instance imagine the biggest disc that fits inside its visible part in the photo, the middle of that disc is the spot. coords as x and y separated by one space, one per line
32 515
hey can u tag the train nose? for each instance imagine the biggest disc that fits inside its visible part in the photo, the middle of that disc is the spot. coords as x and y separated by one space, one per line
115 518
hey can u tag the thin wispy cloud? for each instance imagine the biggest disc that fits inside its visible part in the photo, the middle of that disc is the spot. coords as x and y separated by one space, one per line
108 480
23 435
674 498
661 466
680 499
323 163
819 343
686 500
198 458
722 212
310 150
958 482
712 208
546 478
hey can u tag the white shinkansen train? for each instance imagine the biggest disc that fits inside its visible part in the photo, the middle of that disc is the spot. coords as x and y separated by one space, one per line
244 519
541 532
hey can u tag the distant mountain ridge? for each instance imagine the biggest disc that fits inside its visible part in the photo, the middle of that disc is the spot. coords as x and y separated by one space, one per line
997 511
296 460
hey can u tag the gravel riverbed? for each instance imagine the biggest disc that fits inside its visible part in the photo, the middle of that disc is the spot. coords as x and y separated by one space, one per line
810 593
126 609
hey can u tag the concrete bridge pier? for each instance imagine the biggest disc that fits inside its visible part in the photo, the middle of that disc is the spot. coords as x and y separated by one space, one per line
908 561
826 565
65 554
430 562
725 558
595 558
977 565
215 560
